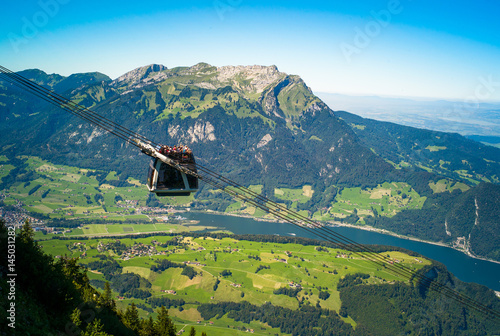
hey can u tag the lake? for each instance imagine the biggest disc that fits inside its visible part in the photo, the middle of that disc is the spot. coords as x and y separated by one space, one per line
461 265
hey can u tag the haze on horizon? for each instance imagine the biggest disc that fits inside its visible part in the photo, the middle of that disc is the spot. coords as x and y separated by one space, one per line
447 50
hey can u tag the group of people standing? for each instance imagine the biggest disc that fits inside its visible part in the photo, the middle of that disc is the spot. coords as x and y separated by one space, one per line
180 152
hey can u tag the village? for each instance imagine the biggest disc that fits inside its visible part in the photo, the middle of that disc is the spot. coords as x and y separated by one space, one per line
128 252
15 215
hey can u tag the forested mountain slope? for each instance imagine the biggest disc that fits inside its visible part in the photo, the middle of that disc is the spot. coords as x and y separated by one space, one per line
468 219
268 123
446 154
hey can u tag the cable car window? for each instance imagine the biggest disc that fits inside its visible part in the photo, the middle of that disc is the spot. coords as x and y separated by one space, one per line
151 174
169 178
192 181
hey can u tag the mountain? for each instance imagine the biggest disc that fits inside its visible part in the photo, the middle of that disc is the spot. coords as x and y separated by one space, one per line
61 84
446 154
268 123
259 126
467 219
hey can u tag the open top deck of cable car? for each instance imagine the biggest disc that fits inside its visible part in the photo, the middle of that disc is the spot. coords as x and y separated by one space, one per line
165 180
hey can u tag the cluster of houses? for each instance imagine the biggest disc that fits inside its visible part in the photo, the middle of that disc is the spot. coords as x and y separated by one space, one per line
136 250
53 230
169 291
18 216
139 250
292 284
461 243
195 263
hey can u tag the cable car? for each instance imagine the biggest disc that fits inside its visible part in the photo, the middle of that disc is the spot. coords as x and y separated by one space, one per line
165 180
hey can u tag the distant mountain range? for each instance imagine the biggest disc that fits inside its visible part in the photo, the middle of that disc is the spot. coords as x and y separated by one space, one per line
465 117
260 126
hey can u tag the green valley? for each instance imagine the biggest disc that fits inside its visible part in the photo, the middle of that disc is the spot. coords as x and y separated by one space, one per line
60 191
225 269
254 125
84 191
222 284
73 199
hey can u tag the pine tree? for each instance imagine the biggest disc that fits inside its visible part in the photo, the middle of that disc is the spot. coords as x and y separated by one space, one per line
203 334
74 272
148 328
131 318
95 329
164 325
26 233
192 332
107 297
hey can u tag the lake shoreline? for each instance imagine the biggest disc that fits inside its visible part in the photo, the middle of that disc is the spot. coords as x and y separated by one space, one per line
364 227
390 233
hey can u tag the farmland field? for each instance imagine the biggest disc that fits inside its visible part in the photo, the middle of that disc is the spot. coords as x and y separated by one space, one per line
386 199
226 269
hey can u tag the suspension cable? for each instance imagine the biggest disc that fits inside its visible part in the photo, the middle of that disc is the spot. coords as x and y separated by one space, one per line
74 108
328 234
247 195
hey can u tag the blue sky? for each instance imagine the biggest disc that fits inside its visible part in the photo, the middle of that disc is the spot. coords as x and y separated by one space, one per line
411 48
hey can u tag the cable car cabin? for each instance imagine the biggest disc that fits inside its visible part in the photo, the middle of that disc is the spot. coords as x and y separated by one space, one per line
165 180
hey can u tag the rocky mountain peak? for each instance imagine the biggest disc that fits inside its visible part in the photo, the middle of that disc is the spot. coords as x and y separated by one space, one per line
142 75
201 66
251 78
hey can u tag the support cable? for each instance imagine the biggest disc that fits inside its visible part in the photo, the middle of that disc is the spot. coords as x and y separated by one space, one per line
245 194
326 233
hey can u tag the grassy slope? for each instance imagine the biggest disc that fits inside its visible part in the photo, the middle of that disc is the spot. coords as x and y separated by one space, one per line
304 265
387 199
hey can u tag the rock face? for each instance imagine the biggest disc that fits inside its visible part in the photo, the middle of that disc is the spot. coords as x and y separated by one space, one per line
244 79
279 94
252 78
141 76
265 140
198 132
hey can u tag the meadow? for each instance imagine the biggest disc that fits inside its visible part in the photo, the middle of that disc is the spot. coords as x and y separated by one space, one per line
386 199
228 269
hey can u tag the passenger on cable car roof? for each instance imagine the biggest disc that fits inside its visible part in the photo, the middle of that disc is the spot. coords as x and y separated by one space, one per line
180 152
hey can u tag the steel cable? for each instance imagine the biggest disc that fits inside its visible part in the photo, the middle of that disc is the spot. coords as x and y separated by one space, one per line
236 190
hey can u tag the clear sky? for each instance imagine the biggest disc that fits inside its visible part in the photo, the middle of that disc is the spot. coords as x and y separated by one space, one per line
414 48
